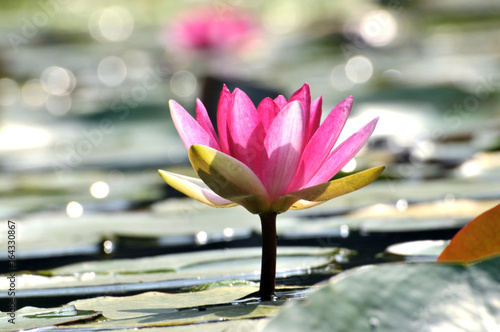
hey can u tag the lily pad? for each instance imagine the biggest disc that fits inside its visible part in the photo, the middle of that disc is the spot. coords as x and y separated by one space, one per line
413 251
30 317
401 297
154 309
53 235
168 271
223 261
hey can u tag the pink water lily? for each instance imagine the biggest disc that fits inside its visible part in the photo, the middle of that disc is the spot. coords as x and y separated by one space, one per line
209 29
268 158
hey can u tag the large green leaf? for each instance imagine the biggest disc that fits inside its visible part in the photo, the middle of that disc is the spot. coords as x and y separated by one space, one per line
401 297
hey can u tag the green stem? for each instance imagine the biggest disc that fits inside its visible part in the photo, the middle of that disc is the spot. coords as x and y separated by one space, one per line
268 268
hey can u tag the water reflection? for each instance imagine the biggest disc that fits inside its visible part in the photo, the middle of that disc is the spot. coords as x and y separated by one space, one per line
403 127
16 137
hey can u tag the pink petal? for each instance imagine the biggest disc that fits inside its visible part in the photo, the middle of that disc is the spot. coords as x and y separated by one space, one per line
267 111
203 119
321 144
342 154
282 149
244 132
280 101
189 130
304 96
315 118
223 109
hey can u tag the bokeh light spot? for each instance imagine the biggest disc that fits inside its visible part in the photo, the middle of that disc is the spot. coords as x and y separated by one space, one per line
111 24
58 81
112 71
282 16
201 238
33 94
378 28
470 168
99 189
9 91
108 246
58 105
228 232
401 204
183 83
339 79
359 69
74 209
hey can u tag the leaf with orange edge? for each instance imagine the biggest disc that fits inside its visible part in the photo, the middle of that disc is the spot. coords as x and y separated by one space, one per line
478 240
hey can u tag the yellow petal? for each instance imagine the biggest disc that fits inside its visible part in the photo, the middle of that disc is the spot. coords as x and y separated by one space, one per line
312 196
195 188
302 204
229 178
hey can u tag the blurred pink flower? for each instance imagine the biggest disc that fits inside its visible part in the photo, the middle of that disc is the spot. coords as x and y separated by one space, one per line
207 29
270 158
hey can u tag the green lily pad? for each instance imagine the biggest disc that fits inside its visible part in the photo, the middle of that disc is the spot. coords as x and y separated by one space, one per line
240 325
154 309
30 317
157 309
425 250
224 261
401 297
84 235
170 271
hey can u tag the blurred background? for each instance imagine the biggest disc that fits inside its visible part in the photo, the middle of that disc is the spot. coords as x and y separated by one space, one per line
84 119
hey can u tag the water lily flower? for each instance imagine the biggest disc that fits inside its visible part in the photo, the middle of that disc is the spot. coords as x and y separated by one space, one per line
268 159
208 29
